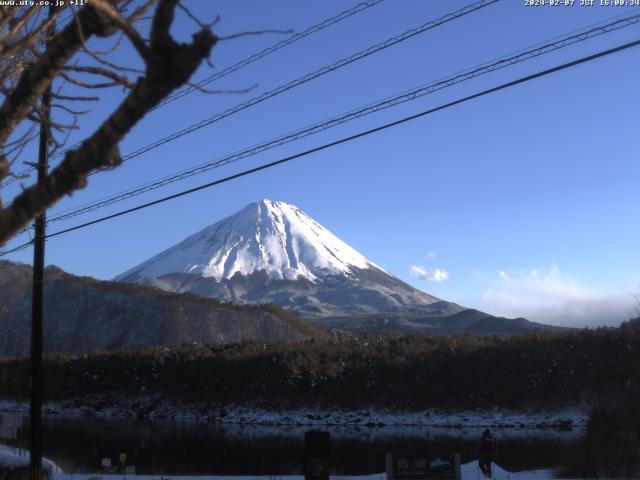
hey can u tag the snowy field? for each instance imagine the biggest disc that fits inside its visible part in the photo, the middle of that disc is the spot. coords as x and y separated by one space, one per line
469 472
12 458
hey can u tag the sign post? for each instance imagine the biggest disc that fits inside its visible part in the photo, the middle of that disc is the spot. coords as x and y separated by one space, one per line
316 455
9 424
106 464
430 466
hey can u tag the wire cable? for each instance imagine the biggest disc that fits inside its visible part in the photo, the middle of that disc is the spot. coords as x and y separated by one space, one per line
271 49
406 35
16 249
239 65
389 102
349 138
299 81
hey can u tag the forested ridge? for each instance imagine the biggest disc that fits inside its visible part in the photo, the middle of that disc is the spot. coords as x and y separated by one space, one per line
545 369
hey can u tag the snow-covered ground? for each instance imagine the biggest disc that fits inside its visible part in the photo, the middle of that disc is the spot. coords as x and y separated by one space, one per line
469 472
10 457
14 457
155 407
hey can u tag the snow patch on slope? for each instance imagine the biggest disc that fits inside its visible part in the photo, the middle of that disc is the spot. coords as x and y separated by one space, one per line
274 237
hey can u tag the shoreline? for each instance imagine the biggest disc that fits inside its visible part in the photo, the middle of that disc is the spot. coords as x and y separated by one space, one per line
371 417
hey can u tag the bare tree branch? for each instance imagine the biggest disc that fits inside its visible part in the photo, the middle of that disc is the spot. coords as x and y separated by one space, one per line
252 33
28 39
134 37
61 127
69 110
83 84
57 145
75 98
19 22
140 11
113 48
35 80
160 36
99 58
195 19
21 138
168 66
222 91
117 79
6 14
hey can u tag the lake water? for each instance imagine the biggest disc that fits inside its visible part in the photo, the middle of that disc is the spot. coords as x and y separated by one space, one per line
169 447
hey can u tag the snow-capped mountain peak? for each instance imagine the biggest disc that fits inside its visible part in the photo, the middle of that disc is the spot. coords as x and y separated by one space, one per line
313 274
275 237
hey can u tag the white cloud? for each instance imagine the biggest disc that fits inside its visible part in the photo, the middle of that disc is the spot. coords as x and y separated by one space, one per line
419 272
488 294
431 255
548 296
440 275
503 275
423 273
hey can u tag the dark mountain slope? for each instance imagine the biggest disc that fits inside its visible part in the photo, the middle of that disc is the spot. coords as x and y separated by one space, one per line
83 314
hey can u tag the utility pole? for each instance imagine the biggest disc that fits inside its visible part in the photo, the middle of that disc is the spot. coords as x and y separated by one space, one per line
37 302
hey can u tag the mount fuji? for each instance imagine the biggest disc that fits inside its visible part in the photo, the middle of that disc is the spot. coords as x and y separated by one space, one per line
274 237
272 252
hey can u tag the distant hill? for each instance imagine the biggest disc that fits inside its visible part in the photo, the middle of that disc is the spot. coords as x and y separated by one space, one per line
465 321
83 314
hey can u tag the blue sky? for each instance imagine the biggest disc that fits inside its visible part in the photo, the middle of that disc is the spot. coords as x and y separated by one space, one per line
521 203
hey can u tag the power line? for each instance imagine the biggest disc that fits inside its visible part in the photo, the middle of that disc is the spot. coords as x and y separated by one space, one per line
247 61
294 83
299 81
239 65
365 133
273 48
313 75
411 95
16 249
